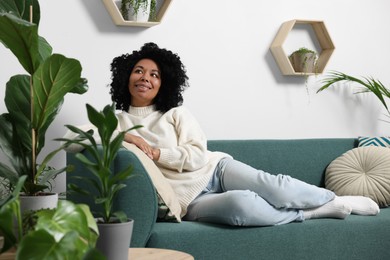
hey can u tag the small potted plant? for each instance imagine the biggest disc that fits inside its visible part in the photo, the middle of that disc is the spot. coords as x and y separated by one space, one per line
115 227
138 10
32 100
304 60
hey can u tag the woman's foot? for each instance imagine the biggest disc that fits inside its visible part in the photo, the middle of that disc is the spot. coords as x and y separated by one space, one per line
361 205
335 208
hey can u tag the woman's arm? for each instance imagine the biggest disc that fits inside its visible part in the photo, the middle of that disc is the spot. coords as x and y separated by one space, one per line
190 151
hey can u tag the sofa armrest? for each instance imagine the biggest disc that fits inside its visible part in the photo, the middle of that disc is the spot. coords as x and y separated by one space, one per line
138 199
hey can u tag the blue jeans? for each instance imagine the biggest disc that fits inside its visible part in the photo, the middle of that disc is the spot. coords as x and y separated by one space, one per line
241 195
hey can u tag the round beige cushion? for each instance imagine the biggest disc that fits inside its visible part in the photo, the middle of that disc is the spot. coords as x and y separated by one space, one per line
361 171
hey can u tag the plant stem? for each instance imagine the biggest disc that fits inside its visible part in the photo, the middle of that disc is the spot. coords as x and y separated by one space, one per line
33 132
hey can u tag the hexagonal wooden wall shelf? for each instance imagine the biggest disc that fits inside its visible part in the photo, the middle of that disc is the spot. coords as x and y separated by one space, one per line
117 17
323 38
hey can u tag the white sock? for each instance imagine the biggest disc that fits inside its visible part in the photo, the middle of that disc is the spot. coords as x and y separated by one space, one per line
361 205
335 208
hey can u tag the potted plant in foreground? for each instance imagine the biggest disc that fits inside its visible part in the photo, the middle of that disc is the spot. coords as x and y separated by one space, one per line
66 232
304 60
138 10
368 85
32 100
114 227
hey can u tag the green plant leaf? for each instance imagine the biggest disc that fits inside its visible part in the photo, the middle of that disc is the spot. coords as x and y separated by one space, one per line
40 244
17 151
7 173
368 84
17 99
21 9
120 215
9 213
21 37
56 77
67 216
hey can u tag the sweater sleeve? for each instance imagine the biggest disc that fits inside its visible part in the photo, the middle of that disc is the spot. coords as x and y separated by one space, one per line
190 153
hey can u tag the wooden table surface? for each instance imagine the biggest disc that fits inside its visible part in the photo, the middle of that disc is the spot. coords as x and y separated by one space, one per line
157 254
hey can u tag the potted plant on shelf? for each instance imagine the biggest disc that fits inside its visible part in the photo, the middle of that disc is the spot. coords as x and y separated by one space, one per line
368 84
67 232
138 10
304 60
115 227
32 100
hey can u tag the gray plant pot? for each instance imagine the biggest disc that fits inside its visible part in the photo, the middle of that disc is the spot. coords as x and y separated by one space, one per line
114 239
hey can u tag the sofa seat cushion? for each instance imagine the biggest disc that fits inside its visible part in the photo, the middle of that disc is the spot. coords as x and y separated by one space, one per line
361 171
312 239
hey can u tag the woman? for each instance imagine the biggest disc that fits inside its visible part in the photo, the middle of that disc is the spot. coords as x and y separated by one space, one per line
147 86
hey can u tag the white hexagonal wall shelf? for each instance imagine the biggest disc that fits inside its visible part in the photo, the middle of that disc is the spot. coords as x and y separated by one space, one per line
322 36
113 10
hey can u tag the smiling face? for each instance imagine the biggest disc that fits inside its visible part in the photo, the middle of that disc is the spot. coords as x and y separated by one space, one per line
144 83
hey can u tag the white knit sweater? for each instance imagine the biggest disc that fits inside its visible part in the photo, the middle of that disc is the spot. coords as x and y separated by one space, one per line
184 158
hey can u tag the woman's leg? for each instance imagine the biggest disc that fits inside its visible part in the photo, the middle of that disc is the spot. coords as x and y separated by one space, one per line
239 208
281 191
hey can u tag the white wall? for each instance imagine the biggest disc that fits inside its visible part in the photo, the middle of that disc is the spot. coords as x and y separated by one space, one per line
237 90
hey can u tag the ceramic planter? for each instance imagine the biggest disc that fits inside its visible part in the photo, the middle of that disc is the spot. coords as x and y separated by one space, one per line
41 201
304 62
114 239
142 15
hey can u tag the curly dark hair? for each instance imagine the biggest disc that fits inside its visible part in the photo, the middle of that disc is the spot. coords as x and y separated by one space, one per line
174 79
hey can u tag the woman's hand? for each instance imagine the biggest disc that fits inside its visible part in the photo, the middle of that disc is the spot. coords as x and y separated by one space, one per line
152 153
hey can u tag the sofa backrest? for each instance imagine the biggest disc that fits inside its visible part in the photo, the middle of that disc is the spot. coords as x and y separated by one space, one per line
305 159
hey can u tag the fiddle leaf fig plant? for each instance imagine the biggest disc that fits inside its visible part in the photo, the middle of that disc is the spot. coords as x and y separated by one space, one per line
106 184
33 100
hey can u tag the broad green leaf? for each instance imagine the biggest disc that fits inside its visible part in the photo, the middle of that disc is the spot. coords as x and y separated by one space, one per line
22 9
41 245
68 216
17 100
56 77
21 37
14 143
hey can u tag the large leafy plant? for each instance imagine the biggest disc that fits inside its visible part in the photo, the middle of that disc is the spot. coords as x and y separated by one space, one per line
32 100
368 84
106 184
67 232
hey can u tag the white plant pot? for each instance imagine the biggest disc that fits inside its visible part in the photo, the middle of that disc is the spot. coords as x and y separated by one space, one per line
141 16
44 201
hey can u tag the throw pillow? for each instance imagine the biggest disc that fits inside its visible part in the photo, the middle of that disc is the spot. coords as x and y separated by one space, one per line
361 171
375 141
169 208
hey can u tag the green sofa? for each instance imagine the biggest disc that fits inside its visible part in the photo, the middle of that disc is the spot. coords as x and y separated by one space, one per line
356 237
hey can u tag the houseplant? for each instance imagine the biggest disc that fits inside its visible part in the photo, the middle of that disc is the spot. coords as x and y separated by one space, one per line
304 60
368 84
32 100
66 232
106 184
138 10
